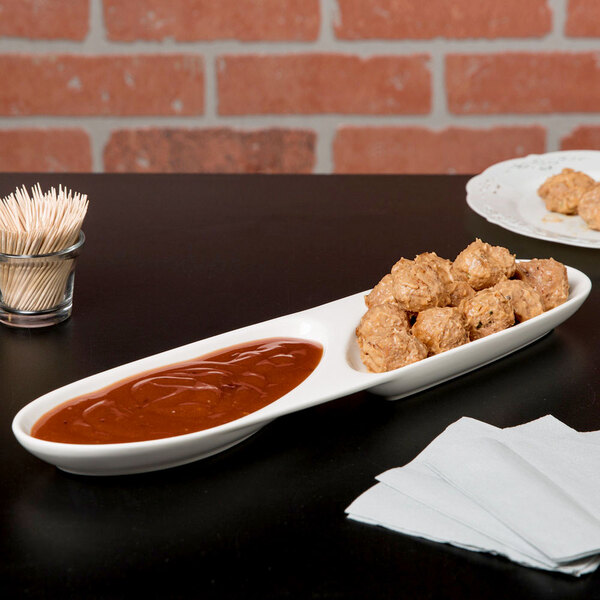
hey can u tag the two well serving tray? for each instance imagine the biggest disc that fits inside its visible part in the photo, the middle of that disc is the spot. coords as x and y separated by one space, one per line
339 373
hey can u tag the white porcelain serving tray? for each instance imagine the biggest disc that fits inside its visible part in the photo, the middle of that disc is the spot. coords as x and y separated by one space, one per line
339 373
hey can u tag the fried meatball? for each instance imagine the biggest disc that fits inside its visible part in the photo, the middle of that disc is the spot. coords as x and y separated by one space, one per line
417 286
548 277
482 265
392 351
382 292
589 208
525 300
459 291
487 312
441 266
441 329
382 319
562 192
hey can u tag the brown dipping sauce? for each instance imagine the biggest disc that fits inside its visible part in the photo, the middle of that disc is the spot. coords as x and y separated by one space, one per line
185 397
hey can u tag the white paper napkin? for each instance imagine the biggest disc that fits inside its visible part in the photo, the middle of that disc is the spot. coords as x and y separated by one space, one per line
421 484
531 493
384 506
520 496
540 486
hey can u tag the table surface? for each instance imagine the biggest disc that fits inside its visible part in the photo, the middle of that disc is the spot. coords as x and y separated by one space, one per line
170 259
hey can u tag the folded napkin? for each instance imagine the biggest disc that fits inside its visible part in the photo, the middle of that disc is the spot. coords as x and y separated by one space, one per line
530 493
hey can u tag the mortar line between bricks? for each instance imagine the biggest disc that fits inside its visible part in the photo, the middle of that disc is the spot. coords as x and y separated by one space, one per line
98 134
560 129
439 107
325 132
325 135
363 48
211 100
248 122
97 32
559 19
329 10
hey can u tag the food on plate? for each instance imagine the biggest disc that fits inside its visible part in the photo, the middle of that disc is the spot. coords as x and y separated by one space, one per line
487 312
441 329
383 292
430 304
381 319
573 192
525 300
417 286
548 277
391 350
459 291
384 339
441 266
562 192
482 265
198 394
589 208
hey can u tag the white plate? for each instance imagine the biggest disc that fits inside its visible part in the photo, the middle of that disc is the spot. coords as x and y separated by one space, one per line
506 195
339 373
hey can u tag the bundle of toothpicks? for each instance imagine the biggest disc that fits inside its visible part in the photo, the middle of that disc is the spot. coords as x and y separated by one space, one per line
38 226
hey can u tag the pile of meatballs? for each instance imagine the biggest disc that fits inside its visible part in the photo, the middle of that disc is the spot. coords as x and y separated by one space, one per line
573 192
429 305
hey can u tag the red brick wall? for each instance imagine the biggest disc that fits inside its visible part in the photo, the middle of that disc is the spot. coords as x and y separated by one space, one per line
378 86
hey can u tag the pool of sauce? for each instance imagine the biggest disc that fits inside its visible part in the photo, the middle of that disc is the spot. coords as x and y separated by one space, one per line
185 397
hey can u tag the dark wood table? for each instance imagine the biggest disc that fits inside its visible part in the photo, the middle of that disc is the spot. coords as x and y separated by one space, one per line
170 259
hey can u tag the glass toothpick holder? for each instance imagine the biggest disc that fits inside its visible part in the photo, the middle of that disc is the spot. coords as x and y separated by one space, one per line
37 290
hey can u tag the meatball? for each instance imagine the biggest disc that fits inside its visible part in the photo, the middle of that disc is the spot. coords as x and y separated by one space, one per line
441 266
382 292
526 301
417 286
589 208
482 265
391 351
459 291
562 193
441 329
548 277
487 312
382 319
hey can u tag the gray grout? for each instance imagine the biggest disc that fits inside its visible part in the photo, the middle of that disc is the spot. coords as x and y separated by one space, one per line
97 32
559 18
210 88
326 125
433 121
326 132
439 112
99 134
93 45
559 14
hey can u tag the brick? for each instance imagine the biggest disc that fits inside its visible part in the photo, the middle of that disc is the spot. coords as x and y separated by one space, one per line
101 85
44 19
459 19
421 150
523 82
583 18
189 20
45 150
582 138
323 83
218 150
